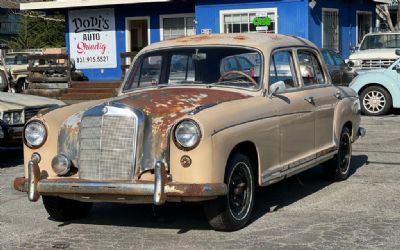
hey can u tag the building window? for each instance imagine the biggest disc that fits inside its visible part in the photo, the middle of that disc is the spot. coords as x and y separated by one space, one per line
173 26
330 29
364 24
242 21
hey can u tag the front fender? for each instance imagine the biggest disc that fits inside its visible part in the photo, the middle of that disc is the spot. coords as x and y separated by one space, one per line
345 113
375 78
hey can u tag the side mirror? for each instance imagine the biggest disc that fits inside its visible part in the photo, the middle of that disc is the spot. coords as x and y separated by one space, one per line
350 63
397 52
276 87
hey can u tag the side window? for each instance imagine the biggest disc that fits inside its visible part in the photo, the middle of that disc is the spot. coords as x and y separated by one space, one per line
310 68
150 70
328 58
181 69
281 68
338 60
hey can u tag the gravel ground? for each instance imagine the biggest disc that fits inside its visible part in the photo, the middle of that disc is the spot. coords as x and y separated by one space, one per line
303 212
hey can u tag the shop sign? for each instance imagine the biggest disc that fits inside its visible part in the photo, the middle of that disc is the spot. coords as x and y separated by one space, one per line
262 21
92 38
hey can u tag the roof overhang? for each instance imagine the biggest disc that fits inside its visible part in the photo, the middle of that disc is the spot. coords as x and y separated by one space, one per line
61 4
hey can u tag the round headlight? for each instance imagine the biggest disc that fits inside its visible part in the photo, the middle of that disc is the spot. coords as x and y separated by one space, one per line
187 135
7 118
35 134
61 165
16 117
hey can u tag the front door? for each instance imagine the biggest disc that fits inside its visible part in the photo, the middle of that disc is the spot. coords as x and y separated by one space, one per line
296 113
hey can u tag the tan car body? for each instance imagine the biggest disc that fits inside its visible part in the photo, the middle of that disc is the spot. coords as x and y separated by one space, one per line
283 137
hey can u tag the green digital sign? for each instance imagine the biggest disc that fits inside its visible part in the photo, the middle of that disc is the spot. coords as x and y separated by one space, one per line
262 21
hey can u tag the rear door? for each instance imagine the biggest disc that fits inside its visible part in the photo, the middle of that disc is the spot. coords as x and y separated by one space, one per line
324 97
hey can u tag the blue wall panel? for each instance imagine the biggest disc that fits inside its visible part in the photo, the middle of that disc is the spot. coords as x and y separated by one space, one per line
294 18
292 14
347 14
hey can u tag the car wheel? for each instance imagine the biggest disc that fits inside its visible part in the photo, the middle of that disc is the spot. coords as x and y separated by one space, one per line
61 209
338 168
375 101
233 211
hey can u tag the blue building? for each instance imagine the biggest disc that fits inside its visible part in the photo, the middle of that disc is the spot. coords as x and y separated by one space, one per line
98 31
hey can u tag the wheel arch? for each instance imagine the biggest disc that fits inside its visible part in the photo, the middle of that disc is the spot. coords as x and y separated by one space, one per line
249 149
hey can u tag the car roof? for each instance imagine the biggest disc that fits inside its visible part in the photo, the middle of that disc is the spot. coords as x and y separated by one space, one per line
382 33
261 41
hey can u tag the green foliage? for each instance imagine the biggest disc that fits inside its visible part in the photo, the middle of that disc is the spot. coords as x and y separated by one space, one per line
39 32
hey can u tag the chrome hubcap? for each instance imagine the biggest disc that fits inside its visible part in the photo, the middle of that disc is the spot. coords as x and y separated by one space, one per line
374 101
240 188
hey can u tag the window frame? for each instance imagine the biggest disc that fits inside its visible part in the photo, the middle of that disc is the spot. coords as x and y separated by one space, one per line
323 69
182 15
222 13
323 11
294 73
362 12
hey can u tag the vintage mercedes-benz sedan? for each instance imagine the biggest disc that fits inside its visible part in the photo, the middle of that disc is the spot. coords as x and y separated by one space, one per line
205 119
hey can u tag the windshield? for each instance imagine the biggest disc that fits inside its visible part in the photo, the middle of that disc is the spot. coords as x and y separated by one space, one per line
223 66
382 41
16 60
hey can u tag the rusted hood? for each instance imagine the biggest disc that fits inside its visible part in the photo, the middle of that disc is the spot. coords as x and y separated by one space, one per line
172 103
162 108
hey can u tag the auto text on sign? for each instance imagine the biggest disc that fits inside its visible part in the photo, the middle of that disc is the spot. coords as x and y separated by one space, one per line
92 38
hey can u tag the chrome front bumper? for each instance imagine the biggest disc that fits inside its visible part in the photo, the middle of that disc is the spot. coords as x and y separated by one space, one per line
157 192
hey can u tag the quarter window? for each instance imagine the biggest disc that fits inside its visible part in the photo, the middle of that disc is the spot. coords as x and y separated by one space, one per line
282 69
310 68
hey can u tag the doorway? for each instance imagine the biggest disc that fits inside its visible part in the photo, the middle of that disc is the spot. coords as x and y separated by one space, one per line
137 34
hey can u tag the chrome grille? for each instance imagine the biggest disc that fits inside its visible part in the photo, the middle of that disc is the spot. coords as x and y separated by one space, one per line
377 63
107 147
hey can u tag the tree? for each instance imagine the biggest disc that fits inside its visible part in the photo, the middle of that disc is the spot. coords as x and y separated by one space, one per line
383 12
36 31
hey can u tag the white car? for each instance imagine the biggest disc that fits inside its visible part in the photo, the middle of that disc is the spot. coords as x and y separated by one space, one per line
16 110
377 50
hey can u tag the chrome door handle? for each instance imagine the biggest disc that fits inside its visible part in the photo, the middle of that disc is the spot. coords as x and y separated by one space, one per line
309 99
338 95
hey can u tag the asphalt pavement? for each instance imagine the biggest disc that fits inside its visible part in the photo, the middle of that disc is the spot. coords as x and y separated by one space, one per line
303 212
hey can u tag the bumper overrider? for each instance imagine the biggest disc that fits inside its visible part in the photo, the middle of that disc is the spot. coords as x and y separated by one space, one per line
157 192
